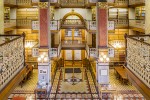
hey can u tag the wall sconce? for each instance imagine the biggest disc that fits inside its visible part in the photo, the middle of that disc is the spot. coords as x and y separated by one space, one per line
118 44
30 44
43 58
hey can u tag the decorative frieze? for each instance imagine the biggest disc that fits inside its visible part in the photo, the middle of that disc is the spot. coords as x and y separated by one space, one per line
102 5
43 5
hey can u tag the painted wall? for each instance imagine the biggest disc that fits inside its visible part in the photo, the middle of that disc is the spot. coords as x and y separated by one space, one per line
1 17
85 13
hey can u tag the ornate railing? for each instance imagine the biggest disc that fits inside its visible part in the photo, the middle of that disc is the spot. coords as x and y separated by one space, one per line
121 2
12 2
138 56
91 25
24 2
24 23
121 22
137 23
74 44
72 22
72 3
134 2
54 25
9 23
11 57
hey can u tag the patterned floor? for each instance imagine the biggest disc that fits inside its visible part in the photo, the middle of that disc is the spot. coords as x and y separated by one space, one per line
85 90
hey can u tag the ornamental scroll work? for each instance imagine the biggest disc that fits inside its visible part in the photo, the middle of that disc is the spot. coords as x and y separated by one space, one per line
43 4
103 5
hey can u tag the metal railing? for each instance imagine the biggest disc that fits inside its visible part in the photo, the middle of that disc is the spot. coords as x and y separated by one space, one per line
12 2
138 56
72 2
137 23
121 22
24 23
121 2
72 22
24 2
9 23
134 2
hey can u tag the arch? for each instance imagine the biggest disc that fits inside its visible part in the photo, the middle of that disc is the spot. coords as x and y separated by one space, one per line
73 13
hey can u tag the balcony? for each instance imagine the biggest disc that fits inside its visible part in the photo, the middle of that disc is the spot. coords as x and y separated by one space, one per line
136 3
54 25
10 23
121 23
72 23
137 25
118 3
24 23
91 25
76 44
10 3
24 3
72 3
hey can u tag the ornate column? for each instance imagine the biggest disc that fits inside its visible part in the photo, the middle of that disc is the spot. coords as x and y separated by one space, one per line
102 67
44 65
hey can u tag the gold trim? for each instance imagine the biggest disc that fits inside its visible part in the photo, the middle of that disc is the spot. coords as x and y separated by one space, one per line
43 4
103 5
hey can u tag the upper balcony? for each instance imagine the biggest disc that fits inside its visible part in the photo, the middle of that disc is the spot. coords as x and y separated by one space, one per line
135 3
118 3
9 24
137 25
72 23
10 3
34 24
73 44
120 23
72 3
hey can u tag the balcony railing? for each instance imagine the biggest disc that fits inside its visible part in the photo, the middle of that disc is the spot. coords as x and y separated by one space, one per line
72 3
24 23
121 23
73 44
91 25
137 23
54 1
9 23
121 2
11 2
24 2
136 2
54 25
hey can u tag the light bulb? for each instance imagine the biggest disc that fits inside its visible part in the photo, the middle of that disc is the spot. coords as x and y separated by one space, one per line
104 56
45 59
39 59
42 56
107 59
101 59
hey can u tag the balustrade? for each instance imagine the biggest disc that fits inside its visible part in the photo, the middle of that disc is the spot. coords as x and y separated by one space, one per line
137 23
121 2
24 2
138 57
134 2
9 23
24 23
11 58
12 2
72 2
121 22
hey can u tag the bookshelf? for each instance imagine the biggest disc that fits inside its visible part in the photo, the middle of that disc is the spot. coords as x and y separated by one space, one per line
140 13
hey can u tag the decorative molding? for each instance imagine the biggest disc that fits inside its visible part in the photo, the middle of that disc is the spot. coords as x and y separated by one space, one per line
43 4
102 5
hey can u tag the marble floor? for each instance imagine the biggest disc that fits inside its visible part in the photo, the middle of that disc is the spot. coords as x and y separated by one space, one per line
79 90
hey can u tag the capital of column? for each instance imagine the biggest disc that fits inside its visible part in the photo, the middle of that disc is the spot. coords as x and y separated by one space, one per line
43 5
102 5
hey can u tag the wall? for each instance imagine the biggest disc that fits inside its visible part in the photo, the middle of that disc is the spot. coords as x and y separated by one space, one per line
1 17
131 13
57 38
88 37
13 13
85 13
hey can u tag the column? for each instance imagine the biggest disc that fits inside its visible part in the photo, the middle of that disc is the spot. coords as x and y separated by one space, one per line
44 65
102 67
